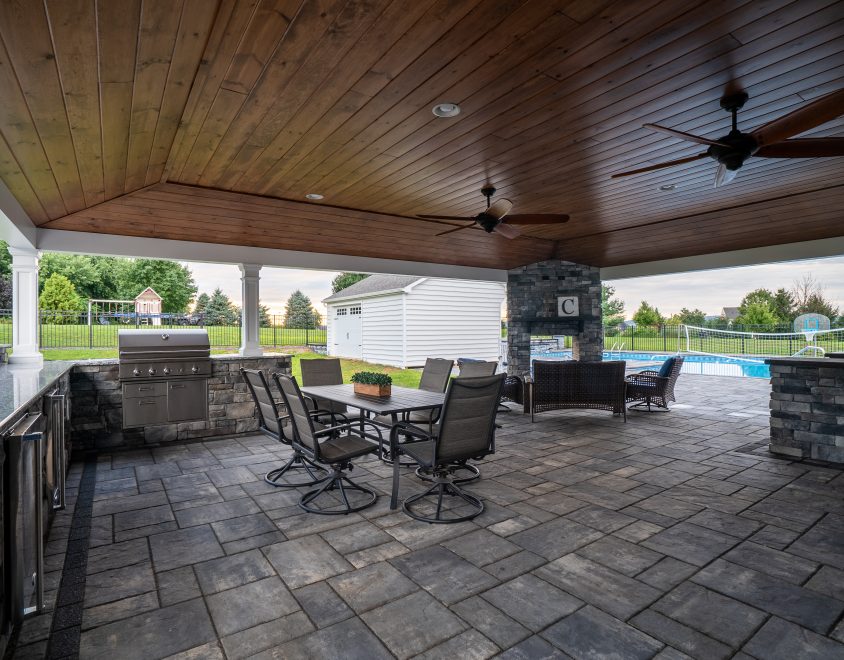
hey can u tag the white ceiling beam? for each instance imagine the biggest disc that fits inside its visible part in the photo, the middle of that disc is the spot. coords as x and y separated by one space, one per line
55 240
16 227
818 249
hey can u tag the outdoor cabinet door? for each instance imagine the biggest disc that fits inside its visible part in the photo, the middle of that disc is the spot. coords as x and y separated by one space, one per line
187 400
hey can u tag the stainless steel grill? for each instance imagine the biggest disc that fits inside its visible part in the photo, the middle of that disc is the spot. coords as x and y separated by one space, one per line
164 376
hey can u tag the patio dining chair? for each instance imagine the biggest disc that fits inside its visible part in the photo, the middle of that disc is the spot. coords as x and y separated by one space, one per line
333 446
317 372
476 368
466 430
271 422
654 387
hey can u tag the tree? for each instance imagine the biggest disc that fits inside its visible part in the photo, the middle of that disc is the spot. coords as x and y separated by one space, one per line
692 317
612 309
5 292
201 303
59 295
299 312
264 319
345 280
5 260
782 305
757 313
809 298
92 277
172 281
647 315
219 310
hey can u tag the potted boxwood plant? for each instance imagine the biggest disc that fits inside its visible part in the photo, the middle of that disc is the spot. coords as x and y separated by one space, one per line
370 383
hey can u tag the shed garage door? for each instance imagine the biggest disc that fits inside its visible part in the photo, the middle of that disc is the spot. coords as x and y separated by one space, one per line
347 331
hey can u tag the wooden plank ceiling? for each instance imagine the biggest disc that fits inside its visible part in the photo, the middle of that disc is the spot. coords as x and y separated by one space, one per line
211 119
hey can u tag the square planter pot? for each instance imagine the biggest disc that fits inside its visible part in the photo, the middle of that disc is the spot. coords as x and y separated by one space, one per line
373 390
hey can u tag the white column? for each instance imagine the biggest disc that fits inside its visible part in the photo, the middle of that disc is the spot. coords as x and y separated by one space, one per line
250 327
25 307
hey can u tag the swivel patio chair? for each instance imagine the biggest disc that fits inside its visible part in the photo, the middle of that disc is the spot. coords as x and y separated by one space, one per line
466 430
334 446
317 372
271 423
654 387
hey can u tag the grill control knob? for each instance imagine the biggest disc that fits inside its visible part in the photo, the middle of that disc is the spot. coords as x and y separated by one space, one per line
194 369
136 372
166 370
151 371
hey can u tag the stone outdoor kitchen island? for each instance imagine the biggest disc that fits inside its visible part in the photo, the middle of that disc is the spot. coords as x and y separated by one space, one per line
807 408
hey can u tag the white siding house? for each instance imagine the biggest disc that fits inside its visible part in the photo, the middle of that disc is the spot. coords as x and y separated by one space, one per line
401 320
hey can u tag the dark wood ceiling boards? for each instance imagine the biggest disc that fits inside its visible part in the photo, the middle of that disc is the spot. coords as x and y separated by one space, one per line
248 102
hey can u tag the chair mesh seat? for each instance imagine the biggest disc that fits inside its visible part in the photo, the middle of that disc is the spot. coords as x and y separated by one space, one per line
344 448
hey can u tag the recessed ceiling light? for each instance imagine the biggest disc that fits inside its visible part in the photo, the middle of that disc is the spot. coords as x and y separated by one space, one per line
668 187
446 110
314 196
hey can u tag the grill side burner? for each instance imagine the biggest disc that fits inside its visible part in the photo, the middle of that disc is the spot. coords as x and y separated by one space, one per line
164 376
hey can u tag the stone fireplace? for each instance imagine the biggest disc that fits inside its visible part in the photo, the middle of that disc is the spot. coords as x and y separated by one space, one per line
553 298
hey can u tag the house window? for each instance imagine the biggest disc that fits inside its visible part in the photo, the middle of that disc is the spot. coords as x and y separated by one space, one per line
341 311
354 310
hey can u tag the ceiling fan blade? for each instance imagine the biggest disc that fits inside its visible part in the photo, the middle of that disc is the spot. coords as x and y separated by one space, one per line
683 136
804 148
499 208
451 231
819 111
670 163
444 217
537 218
507 231
723 176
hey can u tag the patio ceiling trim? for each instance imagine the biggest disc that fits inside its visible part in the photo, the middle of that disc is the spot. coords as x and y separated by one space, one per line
16 227
159 248
827 247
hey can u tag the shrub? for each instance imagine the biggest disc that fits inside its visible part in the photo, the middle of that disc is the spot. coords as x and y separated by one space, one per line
371 378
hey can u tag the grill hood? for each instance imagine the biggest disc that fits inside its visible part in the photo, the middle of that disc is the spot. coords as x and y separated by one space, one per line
162 344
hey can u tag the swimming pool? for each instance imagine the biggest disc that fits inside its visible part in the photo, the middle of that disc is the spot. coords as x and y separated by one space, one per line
713 365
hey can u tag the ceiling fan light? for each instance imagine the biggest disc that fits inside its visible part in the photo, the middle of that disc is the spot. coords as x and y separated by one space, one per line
314 196
668 187
446 110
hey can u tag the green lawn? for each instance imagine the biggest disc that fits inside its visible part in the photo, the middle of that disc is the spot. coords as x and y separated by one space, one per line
717 344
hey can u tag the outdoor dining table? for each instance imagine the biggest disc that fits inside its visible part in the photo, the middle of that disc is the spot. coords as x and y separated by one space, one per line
401 400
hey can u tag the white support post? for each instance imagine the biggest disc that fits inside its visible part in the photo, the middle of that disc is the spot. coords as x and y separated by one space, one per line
250 345
25 307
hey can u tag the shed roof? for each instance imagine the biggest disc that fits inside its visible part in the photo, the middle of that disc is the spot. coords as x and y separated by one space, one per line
374 284
731 313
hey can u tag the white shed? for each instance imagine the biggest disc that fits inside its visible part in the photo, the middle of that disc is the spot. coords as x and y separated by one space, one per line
401 320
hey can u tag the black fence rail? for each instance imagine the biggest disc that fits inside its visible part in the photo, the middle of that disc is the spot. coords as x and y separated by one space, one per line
61 329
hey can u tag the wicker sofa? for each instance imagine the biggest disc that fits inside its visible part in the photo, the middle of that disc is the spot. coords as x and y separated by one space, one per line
568 384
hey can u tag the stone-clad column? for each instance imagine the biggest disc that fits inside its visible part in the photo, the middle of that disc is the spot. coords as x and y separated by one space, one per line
25 307
553 298
250 327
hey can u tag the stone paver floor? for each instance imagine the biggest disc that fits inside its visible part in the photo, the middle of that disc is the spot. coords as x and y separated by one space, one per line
673 535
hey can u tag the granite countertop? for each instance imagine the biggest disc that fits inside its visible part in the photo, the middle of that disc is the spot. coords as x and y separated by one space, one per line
807 362
21 385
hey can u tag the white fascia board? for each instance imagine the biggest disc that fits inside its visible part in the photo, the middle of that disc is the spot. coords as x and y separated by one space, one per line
55 240
413 285
16 227
826 247
344 300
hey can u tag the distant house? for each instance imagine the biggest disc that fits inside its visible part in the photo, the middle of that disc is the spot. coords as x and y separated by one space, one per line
624 325
730 314
401 320
148 306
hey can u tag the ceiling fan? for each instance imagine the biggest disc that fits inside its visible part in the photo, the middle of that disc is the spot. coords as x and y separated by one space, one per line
493 218
768 141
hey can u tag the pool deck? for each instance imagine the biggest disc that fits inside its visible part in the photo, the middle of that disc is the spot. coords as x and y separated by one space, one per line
675 535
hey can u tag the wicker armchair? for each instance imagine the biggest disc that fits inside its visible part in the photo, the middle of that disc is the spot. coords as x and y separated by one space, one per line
568 384
654 387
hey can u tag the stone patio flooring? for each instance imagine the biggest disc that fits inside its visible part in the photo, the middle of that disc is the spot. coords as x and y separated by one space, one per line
670 536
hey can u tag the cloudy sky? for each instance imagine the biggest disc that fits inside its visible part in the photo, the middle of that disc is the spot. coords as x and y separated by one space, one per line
706 290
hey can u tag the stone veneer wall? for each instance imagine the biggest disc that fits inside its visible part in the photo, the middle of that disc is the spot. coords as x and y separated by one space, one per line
532 293
97 407
807 408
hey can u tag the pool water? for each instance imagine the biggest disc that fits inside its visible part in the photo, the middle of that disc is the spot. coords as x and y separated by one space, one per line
713 365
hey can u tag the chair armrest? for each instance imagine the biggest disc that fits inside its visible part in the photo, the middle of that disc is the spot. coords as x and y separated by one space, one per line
351 427
647 379
407 429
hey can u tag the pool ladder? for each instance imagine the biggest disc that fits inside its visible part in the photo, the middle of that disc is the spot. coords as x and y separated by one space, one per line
616 350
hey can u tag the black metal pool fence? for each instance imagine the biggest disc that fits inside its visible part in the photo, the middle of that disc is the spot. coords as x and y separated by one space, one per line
71 329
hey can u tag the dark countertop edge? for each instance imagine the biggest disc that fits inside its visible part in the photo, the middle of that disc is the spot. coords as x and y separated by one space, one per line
67 365
11 418
837 363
